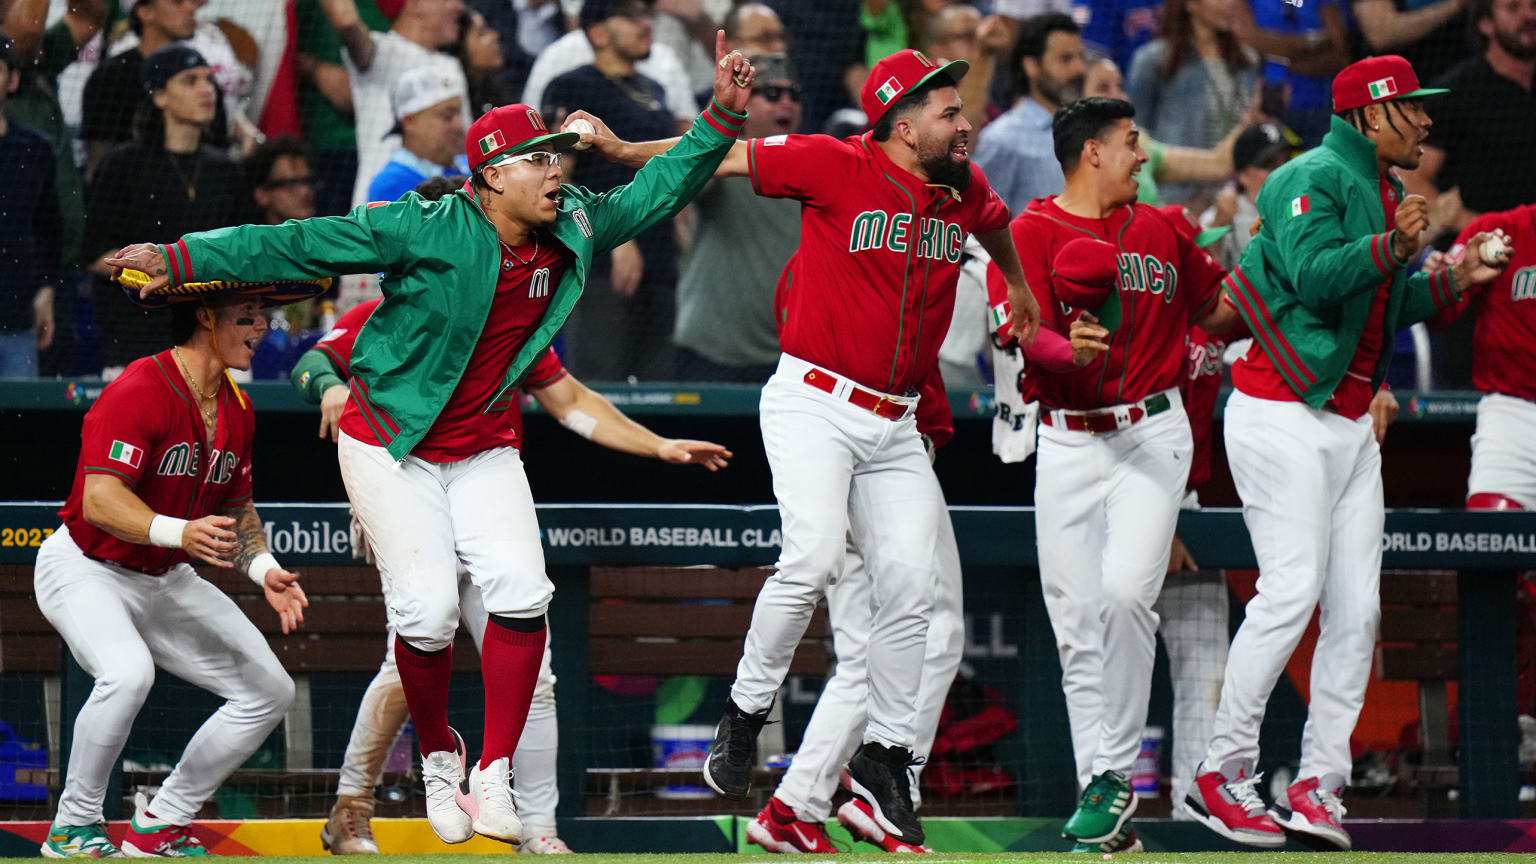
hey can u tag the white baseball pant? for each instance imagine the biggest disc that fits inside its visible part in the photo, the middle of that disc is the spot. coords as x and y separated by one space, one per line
121 624
1502 460
836 466
842 710
382 714
424 520
1106 506
1310 482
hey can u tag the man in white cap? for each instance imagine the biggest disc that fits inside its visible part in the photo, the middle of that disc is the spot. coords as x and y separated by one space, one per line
428 107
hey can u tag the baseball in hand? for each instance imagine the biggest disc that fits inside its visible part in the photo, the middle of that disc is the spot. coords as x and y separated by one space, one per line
1493 247
581 127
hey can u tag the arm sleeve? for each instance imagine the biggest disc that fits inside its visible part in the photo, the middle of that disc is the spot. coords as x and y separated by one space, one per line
808 168
369 239
1324 266
546 371
666 183
992 213
315 373
119 435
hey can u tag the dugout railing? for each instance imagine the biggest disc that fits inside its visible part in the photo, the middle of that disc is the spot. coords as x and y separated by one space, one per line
42 689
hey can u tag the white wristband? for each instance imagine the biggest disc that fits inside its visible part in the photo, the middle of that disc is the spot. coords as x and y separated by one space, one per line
260 566
166 531
580 422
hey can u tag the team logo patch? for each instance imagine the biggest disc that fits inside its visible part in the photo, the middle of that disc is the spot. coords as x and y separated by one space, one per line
923 59
303 380
493 142
536 121
1523 285
126 453
1300 205
582 222
1383 88
775 140
1000 315
888 91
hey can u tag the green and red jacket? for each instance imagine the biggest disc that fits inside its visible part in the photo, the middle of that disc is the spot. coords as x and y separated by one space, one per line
1306 282
440 261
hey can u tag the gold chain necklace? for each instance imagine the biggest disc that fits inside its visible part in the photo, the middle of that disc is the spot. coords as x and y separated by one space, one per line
209 415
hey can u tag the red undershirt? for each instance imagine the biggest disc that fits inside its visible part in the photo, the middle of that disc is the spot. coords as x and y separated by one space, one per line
1257 376
464 427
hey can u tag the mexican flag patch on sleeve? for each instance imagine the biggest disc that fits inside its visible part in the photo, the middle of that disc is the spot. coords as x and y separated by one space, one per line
1300 205
126 453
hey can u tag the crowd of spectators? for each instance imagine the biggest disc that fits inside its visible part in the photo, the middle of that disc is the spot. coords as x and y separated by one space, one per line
141 120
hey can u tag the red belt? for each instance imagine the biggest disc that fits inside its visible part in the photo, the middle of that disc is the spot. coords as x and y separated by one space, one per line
1106 421
880 406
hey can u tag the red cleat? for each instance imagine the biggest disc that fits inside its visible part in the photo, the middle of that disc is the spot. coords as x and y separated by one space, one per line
1314 813
1227 803
859 819
777 829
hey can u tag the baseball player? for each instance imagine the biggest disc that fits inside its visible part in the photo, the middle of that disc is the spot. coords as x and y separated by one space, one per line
1323 289
164 476
475 287
321 375
884 217
1503 469
1114 441
794 818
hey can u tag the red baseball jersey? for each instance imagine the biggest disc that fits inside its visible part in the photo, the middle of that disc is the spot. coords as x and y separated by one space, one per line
879 255
934 416
338 341
1166 283
1200 385
1502 361
146 430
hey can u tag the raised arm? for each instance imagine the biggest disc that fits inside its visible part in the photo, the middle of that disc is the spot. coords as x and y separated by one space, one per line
1384 27
355 38
585 412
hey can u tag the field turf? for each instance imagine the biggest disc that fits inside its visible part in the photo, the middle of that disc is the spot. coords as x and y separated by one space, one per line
946 857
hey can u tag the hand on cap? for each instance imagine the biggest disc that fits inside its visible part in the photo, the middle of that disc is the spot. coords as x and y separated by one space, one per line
146 258
733 77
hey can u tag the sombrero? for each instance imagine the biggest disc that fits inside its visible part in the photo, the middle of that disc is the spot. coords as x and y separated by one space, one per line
274 292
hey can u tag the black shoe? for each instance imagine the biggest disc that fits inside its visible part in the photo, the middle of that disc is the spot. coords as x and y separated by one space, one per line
728 770
878 775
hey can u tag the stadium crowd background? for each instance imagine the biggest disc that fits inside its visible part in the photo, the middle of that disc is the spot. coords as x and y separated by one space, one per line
106 141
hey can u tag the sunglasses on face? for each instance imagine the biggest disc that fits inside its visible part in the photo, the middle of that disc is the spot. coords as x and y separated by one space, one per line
291 182
539 158
774 93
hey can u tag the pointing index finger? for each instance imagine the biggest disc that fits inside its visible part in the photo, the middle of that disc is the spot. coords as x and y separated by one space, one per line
720 47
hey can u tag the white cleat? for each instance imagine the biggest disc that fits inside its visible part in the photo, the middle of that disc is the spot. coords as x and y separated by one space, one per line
496 809
441 774
349 831
544 844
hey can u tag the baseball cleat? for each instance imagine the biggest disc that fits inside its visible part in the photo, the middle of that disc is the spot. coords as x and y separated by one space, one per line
1315 814
149 837
495 802
448 797
728 769
79 841
1106 805
1232 807
1124 841
542 840
858 819
778 829
877 774
349 831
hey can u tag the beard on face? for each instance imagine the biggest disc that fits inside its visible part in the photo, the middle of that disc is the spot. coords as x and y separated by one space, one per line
1060 91
942 168
1510 41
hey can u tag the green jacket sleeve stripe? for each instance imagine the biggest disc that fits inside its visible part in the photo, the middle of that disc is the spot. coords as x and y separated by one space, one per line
1251 305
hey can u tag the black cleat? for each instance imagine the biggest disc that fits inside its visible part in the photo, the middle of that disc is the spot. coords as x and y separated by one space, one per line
728 770
877 774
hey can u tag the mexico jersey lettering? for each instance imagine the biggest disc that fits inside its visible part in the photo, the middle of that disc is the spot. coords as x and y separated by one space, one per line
146 431
1506 309
1165 284
874 288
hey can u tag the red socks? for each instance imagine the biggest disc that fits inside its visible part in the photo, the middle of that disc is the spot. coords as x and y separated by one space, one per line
510 658
425 679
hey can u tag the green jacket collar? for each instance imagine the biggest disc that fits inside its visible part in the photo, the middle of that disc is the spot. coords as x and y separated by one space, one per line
1357 151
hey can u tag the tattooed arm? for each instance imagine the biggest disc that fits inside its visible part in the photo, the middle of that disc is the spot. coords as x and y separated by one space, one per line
281 587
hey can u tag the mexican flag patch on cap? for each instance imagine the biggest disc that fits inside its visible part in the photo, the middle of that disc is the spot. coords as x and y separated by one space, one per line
1382 88
888 91
490 143
1300 205
126 453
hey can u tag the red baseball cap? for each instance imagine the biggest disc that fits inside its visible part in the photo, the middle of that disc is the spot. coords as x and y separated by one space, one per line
1085 275
900 74
509 130
1377 79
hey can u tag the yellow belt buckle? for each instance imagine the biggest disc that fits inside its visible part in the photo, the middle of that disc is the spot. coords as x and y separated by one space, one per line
878 402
